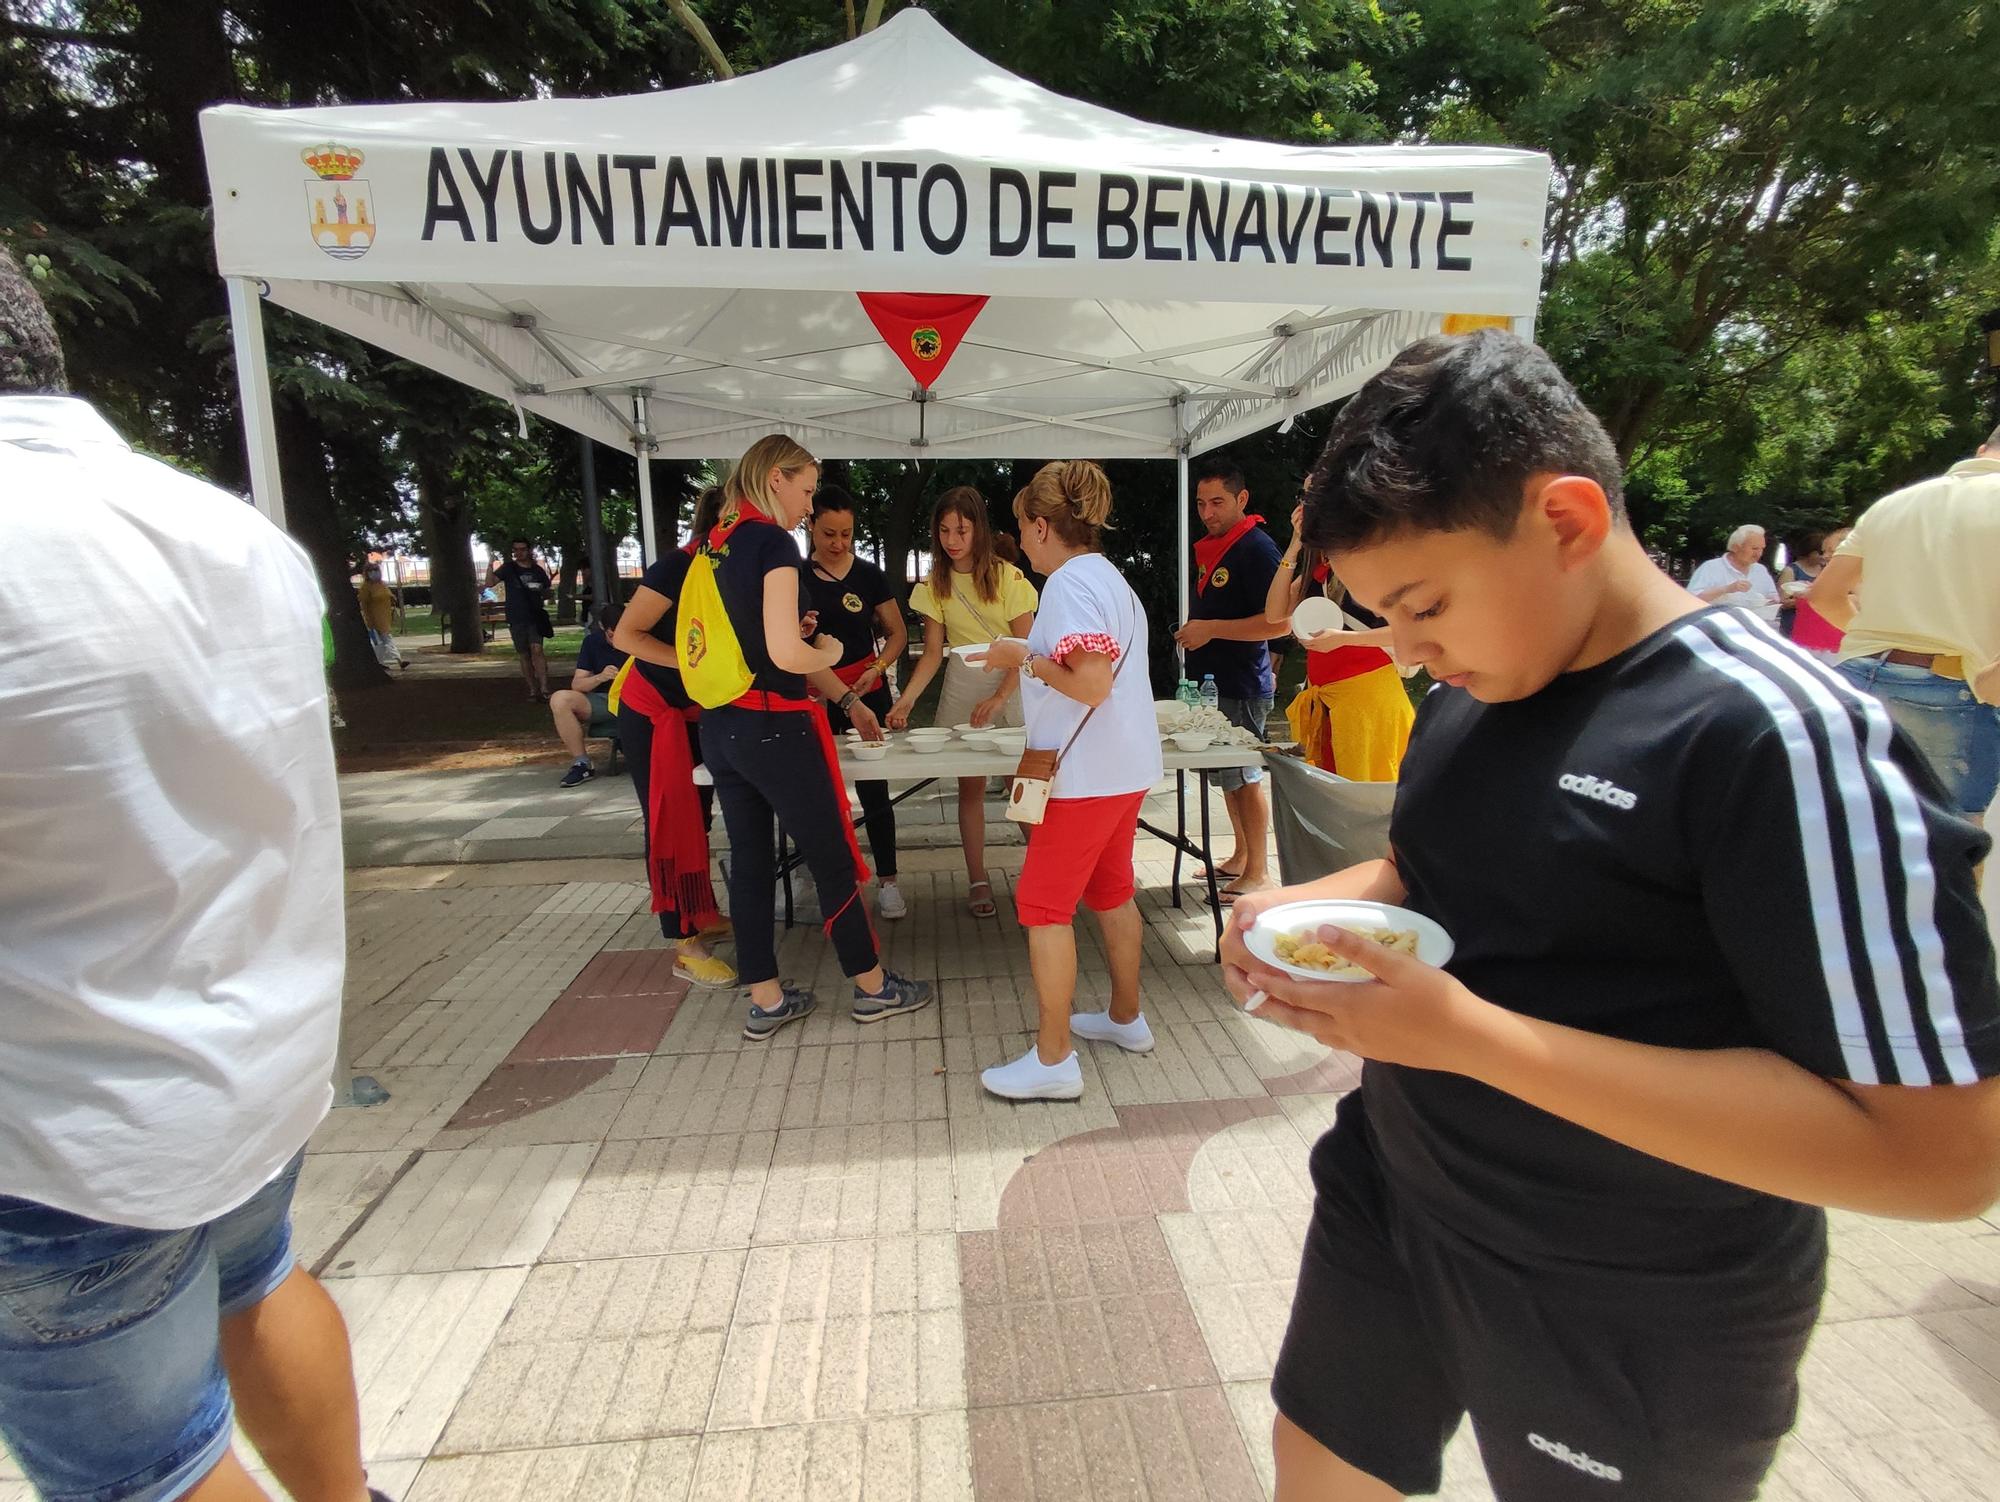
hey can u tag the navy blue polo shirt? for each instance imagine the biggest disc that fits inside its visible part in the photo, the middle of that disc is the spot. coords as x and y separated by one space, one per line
1237 588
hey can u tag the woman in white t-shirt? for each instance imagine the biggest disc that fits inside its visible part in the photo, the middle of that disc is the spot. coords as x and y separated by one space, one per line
1085 656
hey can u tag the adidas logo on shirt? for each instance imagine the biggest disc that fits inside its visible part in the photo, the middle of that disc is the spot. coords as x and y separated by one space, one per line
1576 1459
1598 788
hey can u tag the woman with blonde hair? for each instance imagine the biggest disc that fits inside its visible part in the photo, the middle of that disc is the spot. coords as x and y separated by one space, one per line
1089 699
659 727
772 754
971 598
1351 716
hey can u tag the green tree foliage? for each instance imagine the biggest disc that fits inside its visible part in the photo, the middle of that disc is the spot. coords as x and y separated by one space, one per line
1771 237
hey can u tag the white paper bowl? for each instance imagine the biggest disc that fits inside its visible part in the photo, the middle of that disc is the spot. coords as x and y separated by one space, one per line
868 750
1434 945
974 648
1315 615
1193 740
938 733
930 745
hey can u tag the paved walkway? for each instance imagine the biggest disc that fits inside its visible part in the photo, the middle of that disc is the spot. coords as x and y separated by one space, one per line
598 1246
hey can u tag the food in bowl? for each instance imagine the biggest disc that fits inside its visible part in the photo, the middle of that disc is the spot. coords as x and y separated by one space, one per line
1308 951
1281 931
868 750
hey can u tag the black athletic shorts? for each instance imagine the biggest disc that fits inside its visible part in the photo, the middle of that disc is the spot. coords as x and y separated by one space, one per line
1584 1386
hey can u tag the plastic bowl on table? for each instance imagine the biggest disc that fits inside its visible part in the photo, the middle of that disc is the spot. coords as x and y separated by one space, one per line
1193 740
868 750
929 745
1434 945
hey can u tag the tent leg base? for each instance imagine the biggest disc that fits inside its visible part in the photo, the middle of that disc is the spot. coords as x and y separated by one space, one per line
362 1090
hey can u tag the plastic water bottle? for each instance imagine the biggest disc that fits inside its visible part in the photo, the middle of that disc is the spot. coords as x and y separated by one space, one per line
1211 696
1188 693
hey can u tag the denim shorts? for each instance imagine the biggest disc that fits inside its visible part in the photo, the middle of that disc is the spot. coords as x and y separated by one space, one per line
1959 736
111 1380
1251 715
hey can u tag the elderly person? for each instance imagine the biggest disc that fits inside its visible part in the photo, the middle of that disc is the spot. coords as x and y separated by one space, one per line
1738 577
1913 588
1089 699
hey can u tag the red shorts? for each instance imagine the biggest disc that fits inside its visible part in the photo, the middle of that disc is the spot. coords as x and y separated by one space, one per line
1082 849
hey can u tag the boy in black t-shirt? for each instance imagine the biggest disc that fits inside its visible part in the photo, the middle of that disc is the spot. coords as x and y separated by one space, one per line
1719 961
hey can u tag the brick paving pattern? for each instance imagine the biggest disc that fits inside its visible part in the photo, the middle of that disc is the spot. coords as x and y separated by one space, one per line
599 1246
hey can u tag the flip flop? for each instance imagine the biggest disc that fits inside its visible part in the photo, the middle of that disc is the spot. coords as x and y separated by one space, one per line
1200 873
982 907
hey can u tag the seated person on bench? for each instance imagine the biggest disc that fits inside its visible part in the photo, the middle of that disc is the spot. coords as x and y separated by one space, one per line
584 708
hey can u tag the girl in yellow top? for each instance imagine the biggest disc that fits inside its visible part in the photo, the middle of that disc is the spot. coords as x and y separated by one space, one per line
971 598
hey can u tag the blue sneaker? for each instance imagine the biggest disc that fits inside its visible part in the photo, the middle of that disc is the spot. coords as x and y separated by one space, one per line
898 997
579 772
794 1002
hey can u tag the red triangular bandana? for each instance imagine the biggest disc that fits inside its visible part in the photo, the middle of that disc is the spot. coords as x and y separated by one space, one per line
923 328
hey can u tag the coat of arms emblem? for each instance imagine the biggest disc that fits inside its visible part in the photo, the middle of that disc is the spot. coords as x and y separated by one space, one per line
926 343
340 210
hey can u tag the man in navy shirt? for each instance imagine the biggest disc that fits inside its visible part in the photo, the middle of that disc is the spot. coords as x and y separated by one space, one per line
528 585
588 697
1227 637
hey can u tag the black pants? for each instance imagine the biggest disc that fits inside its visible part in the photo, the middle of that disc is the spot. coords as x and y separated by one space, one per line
877 812
769 765
635 739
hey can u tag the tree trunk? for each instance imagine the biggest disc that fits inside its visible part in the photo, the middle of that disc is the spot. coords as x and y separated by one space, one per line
566 586
448 537
312 519
903 528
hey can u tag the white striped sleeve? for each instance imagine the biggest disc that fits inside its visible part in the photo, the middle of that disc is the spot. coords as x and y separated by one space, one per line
1841 890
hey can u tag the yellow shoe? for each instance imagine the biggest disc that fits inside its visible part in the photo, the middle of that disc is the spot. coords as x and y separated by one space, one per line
704 970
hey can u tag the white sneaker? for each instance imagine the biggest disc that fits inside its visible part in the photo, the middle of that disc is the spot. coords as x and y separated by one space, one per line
1028 1078
889 902
1133 1036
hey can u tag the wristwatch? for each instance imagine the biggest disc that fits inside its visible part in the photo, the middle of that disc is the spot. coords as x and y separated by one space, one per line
1028 667
846 699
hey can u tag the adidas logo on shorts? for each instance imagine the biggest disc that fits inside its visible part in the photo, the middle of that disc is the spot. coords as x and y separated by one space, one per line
1598 788
1576 1459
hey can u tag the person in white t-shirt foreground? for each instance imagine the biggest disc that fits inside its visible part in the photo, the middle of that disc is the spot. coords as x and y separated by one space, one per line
171 950
1738 578
1085 656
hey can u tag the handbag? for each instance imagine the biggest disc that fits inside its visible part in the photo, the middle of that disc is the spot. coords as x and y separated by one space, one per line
1035 773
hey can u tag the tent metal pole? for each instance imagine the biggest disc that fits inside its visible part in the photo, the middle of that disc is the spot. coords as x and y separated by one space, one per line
1181 539
253 381
642 447
646 524
603 583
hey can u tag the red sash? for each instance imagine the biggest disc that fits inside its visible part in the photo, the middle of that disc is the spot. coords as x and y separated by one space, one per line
677 844
763 701
1209 551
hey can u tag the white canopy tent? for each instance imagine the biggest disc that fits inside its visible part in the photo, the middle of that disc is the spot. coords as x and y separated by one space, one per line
675 274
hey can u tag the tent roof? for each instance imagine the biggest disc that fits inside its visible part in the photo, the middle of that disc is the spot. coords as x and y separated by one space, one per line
1152 290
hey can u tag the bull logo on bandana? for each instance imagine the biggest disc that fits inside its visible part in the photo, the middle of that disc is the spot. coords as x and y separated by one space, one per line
926 343
697 644
851 603
1219 577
